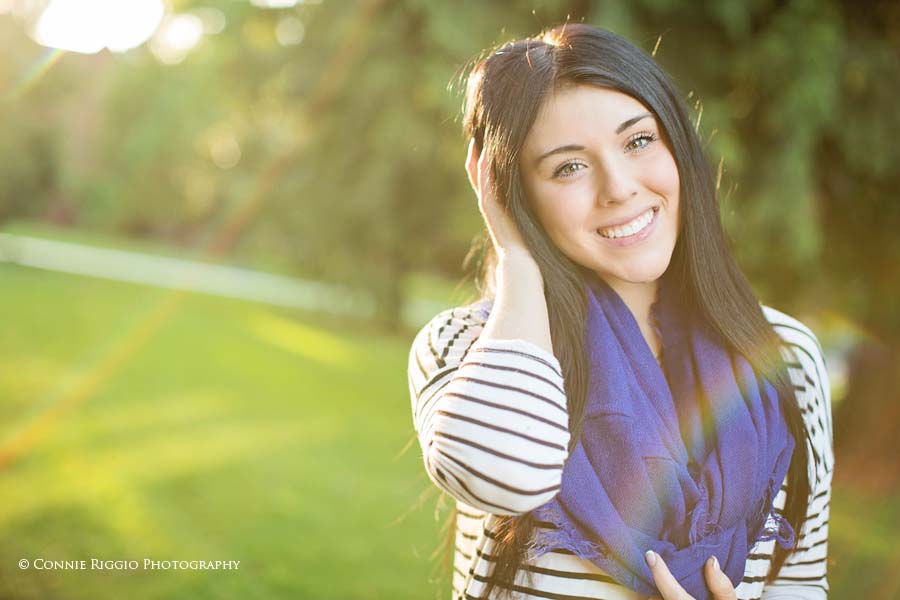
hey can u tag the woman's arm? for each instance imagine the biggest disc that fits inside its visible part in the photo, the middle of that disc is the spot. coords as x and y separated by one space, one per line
520 310
804 574
489 402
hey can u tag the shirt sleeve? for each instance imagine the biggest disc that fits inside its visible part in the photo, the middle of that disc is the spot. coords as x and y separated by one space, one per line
804 573
490 415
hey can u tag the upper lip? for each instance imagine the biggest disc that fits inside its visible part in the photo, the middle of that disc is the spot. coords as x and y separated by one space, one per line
627 219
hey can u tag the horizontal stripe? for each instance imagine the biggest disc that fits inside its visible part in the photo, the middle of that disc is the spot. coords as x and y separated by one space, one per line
496 482
422 411
571 574
805 333
808 548
478 499
499 454
519 390
463 553
436 377
502 430
523 372
780 578
759 556
815 585
450 486
575 575
518 411
544 362
470 515
815 529
490 558
805 562
531 591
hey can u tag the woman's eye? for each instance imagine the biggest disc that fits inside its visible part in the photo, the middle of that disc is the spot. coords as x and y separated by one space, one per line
636 143
639 141
563 170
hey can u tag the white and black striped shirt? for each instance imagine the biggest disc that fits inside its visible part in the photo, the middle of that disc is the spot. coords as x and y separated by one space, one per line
493 428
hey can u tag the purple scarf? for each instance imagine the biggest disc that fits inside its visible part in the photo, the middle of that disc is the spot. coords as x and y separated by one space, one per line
686 463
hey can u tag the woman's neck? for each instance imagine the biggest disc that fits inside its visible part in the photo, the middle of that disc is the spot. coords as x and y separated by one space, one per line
639 297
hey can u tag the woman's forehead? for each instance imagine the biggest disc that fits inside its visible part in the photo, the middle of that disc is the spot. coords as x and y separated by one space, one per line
571 112
570 107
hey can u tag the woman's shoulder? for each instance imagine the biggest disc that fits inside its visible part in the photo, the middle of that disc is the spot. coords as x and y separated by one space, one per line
447 338
782 319
452 329
463 317
806 366
799 339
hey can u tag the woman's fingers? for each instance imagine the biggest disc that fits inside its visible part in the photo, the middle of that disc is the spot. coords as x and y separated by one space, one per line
668 586
485 184
504 233
666 583
718 581
472 166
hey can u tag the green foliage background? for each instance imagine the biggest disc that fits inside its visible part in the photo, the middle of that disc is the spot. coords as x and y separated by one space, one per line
352 137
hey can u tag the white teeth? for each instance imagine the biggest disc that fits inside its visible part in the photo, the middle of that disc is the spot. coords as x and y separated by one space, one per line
628 229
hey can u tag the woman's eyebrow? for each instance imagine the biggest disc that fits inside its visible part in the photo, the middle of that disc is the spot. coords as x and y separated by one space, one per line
626 124
572 147
560 150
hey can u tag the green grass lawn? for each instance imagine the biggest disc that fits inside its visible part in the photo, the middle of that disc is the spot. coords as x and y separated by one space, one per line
203 428
148 424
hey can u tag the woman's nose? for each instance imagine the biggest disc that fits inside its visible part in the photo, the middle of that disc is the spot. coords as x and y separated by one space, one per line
617 184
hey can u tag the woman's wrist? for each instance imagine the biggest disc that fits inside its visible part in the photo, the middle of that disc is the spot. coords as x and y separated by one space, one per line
520 309
518 260
518 274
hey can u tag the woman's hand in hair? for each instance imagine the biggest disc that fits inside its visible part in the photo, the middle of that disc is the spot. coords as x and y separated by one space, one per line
505 235
716 580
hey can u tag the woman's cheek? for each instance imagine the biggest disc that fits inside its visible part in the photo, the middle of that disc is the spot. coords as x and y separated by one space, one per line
571 222
663 174
566 211
556 211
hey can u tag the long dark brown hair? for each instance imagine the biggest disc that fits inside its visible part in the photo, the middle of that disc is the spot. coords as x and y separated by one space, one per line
504 93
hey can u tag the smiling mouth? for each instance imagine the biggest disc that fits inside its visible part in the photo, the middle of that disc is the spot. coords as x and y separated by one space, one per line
636 226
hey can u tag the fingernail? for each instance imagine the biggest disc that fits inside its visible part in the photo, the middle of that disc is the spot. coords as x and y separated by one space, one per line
716 564
650 557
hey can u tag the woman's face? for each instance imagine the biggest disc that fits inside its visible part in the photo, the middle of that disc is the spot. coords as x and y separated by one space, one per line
595 159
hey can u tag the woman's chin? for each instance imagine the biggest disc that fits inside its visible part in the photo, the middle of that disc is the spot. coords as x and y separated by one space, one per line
638 273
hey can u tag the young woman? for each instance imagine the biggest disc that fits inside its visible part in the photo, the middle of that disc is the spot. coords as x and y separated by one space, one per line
617 416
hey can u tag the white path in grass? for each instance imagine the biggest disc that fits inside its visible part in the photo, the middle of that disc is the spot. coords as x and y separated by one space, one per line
195 276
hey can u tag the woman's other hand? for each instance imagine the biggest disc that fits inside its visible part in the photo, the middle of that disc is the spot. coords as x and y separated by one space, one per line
505 235
718 582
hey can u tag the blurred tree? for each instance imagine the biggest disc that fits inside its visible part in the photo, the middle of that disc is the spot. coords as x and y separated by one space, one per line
858 182
30 155
387 192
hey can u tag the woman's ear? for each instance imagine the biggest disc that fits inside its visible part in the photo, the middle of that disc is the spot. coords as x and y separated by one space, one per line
472 164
